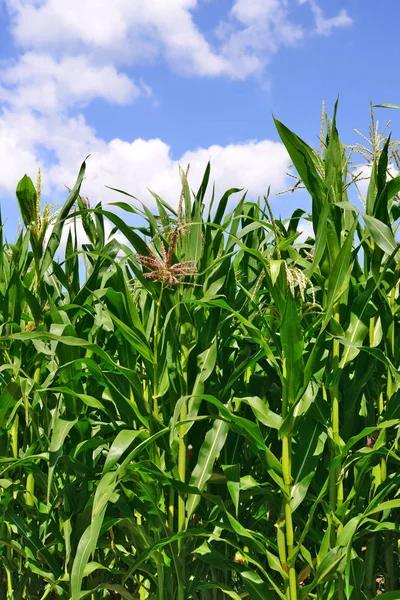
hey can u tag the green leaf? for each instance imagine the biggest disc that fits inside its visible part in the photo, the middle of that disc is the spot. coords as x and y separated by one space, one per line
320 240
88 541
256 587
306 456
56 234
387 595
219 586
262 412
61 429
8 399
382 235
121 443
137 341
292 346
386 106
338 278
303 158
232 474
275 268
334 562
388 505
211 447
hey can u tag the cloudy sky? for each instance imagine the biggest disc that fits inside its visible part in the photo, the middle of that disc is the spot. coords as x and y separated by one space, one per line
145 86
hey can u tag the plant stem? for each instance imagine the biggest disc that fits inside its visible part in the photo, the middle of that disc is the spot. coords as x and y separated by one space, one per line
182 468
182 451
390 570
154 406
287 478
171 508
286 468
30 480
336 486
14 436
370 554
370 574
6 533
181 498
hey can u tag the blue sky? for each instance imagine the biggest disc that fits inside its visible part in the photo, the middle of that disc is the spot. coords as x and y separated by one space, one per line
145 86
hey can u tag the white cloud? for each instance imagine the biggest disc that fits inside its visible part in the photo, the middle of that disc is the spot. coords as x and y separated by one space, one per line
128 31
250 11
40 82
325 25
257 29
307 230
73 52
363 173
131 165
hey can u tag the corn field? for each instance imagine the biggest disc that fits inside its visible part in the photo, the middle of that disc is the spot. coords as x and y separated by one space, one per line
210 408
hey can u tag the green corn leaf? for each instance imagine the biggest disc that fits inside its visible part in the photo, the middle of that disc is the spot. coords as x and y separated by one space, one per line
304 161
386 106
338 279
307 455
121 443
219 586
256 587
8 399
88 541
232 474
382 236
56 234
387 595
262 412
292 346
213 443
61 429
388 505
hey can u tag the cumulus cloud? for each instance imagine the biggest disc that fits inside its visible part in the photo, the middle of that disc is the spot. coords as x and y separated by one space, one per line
325 25
74 52
40 82
255 31
128 31
136 165
306 229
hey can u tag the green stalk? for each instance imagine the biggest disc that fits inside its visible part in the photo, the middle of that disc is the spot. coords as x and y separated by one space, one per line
182 468
286 468
154 405
154 409
182 462
160 578
6 534
336 483
171 508
370 574
10 590
14 449
390 574
14 436
335 486
141 579
30 480
287 478
370 554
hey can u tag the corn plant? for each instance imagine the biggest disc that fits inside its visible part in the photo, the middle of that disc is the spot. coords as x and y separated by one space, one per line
210 409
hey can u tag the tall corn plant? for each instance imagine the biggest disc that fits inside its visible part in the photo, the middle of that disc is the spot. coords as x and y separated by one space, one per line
212 411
